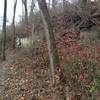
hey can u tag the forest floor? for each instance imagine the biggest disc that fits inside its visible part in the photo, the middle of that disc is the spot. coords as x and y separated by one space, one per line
27 77
21 80
3 65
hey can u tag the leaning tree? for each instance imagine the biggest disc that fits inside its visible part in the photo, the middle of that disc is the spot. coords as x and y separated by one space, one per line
52 51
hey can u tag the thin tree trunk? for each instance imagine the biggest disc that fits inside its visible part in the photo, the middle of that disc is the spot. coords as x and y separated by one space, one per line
49 4
64 5
54 10
23 16
83 4
98 4
52 51
54 2
13 24
31 11
26 11
32 20
4 31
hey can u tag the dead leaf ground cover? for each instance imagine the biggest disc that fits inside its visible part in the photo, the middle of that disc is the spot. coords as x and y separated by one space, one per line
28 78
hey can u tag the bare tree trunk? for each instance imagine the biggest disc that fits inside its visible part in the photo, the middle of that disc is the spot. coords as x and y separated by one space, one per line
23 16
64 5
26 11
83 3
98 3
4 31
31 11
0 44
84 8
13 24
32 23
49 4
54 3
53 55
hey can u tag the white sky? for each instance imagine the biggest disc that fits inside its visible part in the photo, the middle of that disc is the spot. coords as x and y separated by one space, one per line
10 10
